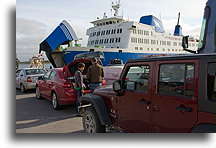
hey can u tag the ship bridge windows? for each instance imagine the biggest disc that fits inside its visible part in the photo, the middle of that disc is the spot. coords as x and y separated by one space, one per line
111 40
168 43
107 32
163 42
175 43
134 40
117 31
146 41
120 31
141 32
92 42
101 41
153 42
98 33
96 42
92 34
146 32
118 40
113 31
134 31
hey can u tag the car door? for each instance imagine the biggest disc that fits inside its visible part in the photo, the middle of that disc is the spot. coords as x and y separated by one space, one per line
50 83
133 104
43 84
174 104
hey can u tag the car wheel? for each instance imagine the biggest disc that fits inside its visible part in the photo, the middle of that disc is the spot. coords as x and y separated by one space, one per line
55 104
91 122
22 88
37 93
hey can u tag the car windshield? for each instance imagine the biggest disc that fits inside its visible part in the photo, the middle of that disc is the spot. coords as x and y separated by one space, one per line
34 71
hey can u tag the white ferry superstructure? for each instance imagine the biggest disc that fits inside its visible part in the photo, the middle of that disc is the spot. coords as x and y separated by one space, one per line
119 38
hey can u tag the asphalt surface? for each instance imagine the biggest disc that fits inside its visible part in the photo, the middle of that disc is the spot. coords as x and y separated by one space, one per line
38 116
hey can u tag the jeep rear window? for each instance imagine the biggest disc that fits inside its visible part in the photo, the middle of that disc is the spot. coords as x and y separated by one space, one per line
211 82
176 80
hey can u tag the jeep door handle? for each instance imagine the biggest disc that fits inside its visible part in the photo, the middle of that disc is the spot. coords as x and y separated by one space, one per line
184 109
143 101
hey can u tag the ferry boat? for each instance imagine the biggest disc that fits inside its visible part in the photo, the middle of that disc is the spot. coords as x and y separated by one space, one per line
117 38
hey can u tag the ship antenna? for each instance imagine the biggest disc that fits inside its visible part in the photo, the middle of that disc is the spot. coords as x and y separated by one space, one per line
178 18
116 7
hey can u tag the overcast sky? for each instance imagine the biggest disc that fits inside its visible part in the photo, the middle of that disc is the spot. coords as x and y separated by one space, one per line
35 20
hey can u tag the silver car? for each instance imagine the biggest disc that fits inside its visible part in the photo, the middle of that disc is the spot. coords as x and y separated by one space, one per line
26 78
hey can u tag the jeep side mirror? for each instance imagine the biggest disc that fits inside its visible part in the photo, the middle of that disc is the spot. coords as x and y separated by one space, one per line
185 42
116 86
185 45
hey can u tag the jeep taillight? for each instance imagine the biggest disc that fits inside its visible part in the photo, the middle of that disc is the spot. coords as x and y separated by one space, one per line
28 79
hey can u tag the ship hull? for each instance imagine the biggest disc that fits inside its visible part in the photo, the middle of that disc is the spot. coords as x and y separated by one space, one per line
124 56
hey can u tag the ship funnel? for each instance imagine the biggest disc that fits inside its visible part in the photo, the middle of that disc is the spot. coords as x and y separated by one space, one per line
178 28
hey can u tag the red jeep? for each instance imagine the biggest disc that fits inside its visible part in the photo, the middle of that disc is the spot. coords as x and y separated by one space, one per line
157 94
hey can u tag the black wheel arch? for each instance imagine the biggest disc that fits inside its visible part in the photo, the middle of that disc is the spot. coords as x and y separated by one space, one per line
99 106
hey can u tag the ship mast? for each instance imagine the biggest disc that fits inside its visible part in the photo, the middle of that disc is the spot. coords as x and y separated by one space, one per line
116 7
178 18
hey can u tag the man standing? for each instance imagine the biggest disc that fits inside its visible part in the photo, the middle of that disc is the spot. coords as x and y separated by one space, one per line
95 74
79 85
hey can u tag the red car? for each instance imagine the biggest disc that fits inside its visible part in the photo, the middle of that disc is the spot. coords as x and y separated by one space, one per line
57 85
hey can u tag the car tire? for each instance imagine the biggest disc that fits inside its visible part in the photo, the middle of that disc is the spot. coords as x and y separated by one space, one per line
91 122
37 93
22 88
54 100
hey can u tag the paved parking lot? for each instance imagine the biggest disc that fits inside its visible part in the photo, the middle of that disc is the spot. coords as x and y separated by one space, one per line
38 116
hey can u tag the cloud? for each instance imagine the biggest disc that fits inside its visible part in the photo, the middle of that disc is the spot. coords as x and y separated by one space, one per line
29 34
